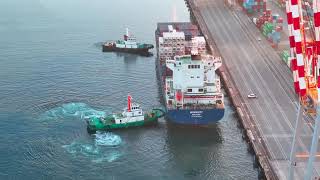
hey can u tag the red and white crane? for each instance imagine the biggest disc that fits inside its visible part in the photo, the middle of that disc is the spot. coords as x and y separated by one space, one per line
305 65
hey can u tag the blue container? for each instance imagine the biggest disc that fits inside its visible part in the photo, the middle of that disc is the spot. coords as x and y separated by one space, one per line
276 37
247 6
275 16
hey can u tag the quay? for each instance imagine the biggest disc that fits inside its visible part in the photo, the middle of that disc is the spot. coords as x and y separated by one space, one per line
252 66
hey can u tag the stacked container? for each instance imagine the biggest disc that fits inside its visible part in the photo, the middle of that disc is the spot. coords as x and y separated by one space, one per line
251 6
277 22
260 21
271 26
285 57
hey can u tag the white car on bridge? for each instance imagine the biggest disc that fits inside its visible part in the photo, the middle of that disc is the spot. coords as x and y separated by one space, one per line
252 96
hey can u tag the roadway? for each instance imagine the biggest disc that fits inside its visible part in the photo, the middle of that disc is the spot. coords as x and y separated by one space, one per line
256 68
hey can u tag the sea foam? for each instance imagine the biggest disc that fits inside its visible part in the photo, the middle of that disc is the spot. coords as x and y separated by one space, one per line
77 110
105 148
107 139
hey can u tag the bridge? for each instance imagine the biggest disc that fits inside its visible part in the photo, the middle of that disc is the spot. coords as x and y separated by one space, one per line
252 66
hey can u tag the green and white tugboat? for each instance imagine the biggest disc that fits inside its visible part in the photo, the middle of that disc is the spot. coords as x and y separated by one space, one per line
128 45
132 116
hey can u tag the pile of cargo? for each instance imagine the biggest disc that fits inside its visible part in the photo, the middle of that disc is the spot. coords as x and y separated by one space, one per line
190 30
285 57
197 45
176 39
251 6
271 26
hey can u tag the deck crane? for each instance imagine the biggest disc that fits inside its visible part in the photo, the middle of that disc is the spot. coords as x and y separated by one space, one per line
305 65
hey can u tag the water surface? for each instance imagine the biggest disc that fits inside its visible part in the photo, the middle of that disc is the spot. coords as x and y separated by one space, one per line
53 75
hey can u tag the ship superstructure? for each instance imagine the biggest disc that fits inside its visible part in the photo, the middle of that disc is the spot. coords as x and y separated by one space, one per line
191 88
193 82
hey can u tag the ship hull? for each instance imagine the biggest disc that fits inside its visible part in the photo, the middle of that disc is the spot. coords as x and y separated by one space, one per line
139 51
195 116
92 129
101 124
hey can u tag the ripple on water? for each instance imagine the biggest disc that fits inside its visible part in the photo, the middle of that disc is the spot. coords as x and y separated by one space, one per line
109 157
77 110
84 149
100 151
107 139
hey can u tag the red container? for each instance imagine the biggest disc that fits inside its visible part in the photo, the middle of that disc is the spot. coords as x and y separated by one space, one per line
280 20
279 28
275 46
168 72
259 25
268 11
265 9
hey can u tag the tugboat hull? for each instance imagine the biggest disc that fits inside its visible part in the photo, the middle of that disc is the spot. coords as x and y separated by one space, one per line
139 51
100 124
92 129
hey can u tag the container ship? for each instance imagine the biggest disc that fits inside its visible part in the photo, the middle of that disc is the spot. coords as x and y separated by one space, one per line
190 87
128 45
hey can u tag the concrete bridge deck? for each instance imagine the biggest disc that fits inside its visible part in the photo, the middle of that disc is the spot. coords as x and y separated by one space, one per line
252 66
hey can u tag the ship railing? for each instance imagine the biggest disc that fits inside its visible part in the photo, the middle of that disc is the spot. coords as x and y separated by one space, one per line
168 61
195 107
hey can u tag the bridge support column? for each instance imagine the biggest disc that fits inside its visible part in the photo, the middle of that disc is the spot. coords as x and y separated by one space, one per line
296 134
314 146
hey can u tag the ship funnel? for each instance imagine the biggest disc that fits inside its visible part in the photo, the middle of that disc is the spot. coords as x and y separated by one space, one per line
129 103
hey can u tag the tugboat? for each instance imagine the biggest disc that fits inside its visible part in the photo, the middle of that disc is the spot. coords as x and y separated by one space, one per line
131 116
128 45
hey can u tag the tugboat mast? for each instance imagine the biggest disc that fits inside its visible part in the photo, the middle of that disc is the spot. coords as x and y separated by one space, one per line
127 32
129 103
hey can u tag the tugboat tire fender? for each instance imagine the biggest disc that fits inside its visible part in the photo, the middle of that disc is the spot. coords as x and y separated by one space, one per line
161 110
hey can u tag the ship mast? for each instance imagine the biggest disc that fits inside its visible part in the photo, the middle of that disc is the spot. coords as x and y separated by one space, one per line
127 32
129 103
126 36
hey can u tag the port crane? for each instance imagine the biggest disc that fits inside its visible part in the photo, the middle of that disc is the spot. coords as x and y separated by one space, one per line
304 38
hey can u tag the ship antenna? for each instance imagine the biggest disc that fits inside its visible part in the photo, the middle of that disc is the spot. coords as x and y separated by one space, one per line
129 103
127 32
